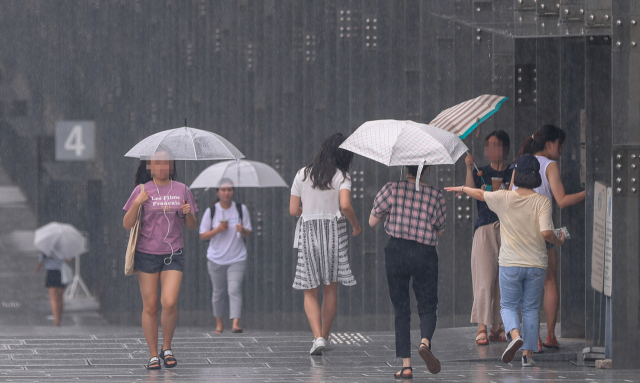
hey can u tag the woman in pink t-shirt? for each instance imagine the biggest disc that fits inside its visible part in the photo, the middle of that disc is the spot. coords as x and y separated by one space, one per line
159 259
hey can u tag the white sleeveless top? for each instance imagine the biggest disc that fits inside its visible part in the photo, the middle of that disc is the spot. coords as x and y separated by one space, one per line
544 188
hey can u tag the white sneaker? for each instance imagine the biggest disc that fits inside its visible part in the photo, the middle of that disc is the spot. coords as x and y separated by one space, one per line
512 348
318 345
527 361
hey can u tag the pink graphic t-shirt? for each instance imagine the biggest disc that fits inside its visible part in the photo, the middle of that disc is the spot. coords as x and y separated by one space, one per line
154 225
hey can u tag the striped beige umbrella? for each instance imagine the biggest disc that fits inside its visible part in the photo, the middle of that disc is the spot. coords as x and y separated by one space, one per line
463 118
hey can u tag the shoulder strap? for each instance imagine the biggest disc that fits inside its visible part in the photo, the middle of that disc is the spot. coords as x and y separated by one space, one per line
239 207
140 208
212 210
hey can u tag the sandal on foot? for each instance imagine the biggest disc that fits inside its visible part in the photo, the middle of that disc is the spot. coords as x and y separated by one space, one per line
498 336
218 332
167 356
482 340
402 375
433 364
154 364
237 330
540 350
554 343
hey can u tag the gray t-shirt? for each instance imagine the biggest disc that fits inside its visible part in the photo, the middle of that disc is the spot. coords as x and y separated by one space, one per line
50 263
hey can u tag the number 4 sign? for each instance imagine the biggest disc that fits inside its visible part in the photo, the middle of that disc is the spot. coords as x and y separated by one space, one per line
75 140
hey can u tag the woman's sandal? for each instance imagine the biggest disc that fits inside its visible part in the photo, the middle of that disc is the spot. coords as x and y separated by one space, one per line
554 343
540 350
218 332
482 340
237 330
401 374
154 364
167 356
433 364
498 336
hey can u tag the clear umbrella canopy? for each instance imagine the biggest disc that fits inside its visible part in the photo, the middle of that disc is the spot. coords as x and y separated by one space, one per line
241 173
186 144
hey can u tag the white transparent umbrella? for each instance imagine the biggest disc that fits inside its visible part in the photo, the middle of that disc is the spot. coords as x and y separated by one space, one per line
241 173
60 239
186 144
398 143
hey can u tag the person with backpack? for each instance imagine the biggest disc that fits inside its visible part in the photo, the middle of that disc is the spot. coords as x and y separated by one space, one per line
225 225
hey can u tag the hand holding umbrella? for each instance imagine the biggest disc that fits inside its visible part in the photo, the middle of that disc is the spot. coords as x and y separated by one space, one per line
184 209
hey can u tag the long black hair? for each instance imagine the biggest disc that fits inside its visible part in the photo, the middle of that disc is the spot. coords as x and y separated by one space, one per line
539 139
330 157
143 174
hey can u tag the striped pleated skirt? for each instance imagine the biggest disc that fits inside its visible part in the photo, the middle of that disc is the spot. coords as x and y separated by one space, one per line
322 254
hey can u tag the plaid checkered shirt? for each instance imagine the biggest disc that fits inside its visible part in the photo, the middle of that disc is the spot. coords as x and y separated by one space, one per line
413 215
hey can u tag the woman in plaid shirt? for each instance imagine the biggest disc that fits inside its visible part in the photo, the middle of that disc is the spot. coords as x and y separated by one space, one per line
414 221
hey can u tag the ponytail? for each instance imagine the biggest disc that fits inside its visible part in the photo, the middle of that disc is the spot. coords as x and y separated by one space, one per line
537 141
526 146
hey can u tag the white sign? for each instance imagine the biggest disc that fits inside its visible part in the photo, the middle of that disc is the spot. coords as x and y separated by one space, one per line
608 253
75 140
599 235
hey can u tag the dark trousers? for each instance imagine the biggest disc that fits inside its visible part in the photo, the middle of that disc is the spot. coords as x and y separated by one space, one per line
404 260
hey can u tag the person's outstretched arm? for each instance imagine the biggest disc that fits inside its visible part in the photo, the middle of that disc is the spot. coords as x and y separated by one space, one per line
563 199
471 192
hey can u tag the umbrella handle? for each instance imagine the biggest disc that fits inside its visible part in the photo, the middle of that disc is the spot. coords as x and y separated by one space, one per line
477 170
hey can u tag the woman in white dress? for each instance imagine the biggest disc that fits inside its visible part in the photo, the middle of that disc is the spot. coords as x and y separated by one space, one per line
323 190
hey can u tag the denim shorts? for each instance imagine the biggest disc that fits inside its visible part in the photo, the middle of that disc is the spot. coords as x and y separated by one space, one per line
549 245
153 263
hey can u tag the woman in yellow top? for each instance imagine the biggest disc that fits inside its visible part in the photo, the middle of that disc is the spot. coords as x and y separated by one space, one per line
525 225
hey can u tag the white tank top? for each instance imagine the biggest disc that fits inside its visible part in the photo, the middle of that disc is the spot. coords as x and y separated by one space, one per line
544 188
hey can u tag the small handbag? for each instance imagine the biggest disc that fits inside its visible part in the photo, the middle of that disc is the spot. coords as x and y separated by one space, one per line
133 240
66 274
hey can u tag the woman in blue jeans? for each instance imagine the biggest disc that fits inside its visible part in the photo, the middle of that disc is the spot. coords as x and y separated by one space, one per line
525 225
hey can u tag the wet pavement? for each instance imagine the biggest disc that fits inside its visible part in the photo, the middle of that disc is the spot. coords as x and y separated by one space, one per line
87 349
115 354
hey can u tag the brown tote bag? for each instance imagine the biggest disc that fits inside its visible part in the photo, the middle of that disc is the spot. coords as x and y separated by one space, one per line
133 240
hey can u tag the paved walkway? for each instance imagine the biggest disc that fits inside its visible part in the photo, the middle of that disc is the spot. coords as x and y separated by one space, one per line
115 354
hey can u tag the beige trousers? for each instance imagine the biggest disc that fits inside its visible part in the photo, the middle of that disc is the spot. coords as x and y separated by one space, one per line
484 273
